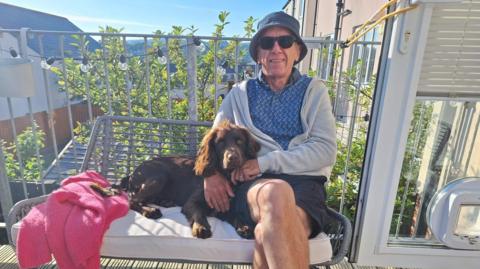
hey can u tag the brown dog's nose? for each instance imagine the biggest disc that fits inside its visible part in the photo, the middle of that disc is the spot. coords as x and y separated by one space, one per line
231 160
230 156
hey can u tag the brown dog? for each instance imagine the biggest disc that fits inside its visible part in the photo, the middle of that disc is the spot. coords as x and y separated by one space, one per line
178 181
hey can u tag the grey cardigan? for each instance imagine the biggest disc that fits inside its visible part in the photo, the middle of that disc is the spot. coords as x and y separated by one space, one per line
310 153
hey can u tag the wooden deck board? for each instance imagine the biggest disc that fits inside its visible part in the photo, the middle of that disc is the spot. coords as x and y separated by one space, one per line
8 260
145 264
341 265
195 266
241 267
104 262
226 266
170 265
120 264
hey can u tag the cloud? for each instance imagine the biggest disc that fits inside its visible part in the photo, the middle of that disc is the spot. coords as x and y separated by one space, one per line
196 8
107 21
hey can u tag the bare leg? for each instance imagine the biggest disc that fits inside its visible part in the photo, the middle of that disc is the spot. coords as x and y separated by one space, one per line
282 231
259 260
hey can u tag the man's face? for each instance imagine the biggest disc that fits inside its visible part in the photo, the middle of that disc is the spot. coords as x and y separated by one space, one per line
277 62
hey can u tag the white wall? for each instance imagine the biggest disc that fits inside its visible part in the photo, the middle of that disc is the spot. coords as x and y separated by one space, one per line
39 101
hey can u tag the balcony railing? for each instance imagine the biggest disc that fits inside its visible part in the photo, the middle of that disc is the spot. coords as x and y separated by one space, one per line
79 76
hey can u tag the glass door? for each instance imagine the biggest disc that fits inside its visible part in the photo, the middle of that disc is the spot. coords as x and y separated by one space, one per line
424 137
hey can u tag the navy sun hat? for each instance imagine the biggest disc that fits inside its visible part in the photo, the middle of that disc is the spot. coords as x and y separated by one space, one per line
280 19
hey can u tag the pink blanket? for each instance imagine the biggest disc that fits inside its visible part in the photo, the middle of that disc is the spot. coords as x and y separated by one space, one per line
70 224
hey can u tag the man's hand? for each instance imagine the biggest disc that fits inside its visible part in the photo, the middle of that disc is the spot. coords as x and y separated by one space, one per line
249 171
218 192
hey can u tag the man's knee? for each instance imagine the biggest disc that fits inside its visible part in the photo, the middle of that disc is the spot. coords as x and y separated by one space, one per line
272 196
277 190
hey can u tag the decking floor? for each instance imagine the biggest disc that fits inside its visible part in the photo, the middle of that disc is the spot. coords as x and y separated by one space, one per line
8 260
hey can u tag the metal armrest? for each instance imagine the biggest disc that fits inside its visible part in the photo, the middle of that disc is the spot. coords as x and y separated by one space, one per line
19 211
340 233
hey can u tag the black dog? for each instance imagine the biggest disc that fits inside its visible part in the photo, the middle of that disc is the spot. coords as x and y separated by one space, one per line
178 181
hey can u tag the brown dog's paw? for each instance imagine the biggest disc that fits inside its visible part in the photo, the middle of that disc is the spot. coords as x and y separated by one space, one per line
200 231
151 212
245 232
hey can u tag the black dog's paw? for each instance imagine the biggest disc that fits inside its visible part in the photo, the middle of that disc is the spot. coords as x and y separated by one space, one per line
151 212
245 232
167 203
200 231
105 192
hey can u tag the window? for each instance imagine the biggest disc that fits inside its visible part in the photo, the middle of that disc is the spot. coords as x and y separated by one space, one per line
442 146
301 15
363 55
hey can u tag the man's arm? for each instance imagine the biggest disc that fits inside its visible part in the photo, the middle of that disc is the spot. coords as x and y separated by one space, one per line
225 112
217 192
317 151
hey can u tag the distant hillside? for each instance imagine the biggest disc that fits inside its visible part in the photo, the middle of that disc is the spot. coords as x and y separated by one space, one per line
137 47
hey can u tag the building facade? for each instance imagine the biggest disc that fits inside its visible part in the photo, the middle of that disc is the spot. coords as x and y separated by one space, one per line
330 18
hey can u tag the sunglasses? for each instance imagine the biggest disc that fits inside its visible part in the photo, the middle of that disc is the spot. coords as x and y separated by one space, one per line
284 41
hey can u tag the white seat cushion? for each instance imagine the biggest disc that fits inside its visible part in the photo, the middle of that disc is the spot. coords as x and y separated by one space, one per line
134 236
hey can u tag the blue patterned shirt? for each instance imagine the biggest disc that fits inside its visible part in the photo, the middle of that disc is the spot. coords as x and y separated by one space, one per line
278 114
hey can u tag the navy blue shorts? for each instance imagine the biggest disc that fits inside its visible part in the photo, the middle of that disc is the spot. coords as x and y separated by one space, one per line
310 195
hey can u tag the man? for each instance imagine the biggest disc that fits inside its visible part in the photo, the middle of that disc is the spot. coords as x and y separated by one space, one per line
281 194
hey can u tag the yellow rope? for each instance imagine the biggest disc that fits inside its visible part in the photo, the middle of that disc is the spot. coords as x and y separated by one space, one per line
370 23
370 20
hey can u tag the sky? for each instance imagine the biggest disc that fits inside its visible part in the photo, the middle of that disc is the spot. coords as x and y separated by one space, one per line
146 16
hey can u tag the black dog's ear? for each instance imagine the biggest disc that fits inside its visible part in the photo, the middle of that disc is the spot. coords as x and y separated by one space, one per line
252 145
206 162
123 183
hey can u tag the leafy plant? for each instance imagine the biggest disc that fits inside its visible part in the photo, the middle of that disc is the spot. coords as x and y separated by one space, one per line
347 170
31 165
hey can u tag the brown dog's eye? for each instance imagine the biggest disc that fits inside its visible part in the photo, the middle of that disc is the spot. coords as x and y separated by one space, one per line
240 141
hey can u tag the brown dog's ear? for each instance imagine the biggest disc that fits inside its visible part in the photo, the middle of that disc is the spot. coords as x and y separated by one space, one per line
252 145
206 162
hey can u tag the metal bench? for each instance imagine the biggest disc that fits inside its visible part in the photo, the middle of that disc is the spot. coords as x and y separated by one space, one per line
118 144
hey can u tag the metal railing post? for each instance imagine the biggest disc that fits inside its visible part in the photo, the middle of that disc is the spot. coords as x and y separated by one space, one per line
50 109
5 194
24 52
86 79
192 93
66 86
147 75
215 71
107 75
169 80
192 80
128 81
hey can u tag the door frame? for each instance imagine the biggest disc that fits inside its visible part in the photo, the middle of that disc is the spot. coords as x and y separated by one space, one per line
394 100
